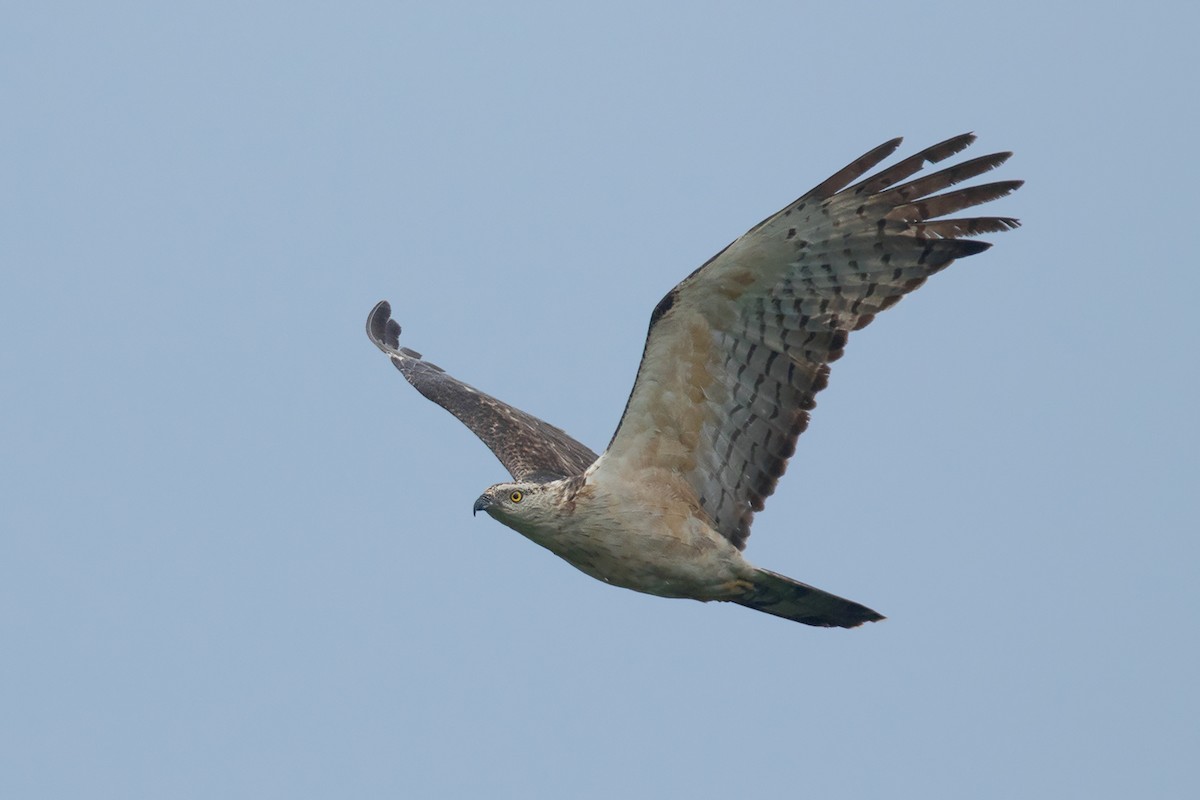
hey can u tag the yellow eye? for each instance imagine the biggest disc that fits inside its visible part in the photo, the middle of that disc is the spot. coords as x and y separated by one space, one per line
516 496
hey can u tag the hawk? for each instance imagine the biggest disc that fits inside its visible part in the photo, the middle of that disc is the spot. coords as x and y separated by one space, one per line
734 357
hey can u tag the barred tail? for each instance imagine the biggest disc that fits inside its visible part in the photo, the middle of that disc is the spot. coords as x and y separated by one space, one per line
775 594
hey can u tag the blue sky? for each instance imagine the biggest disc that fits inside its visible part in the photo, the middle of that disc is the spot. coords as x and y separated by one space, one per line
238 558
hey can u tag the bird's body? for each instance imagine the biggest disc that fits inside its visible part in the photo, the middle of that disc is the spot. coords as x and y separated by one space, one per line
733 359
631 535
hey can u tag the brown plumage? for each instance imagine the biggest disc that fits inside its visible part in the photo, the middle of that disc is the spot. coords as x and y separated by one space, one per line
734 358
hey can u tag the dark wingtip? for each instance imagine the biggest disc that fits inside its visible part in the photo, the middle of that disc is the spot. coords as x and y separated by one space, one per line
962 141
854 170
382 330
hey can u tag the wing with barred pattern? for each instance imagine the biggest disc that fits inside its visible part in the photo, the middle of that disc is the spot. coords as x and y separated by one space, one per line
737 352
530 449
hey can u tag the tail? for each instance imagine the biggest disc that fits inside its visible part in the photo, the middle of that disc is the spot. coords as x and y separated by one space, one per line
775 594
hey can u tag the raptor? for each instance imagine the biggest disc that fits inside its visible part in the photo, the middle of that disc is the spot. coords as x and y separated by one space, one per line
734 358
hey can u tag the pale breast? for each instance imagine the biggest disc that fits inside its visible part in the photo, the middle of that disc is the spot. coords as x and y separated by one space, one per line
647 535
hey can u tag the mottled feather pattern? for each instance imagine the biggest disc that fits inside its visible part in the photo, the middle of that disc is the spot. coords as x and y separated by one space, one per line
529 448
774 309
735 356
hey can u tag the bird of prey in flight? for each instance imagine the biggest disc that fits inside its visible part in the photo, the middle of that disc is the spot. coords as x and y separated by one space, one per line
733 360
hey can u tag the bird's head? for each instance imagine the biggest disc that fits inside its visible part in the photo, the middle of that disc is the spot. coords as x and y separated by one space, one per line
512 502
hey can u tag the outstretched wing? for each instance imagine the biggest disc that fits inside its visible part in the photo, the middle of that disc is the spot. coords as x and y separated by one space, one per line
531 450
738 350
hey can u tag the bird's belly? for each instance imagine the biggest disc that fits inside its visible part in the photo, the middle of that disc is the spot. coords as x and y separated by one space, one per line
666 557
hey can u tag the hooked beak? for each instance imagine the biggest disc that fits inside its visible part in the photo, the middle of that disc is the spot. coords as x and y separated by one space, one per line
482 504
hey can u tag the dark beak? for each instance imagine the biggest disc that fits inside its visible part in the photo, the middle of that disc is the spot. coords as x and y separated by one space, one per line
482 504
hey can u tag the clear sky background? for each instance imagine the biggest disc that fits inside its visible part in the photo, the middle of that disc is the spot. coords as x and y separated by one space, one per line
237 557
